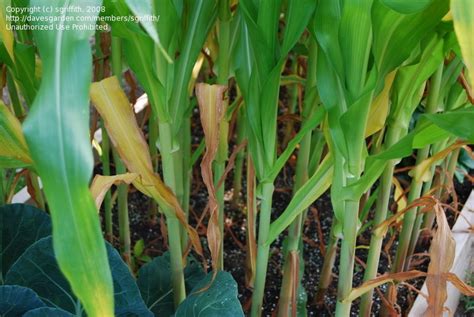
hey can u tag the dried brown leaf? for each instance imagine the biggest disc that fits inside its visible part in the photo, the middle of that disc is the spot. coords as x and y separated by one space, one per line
442 252
101 184
114 107
212 107
373 283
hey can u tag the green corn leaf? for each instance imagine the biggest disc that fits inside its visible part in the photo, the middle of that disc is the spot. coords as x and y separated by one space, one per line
143 9
308 125
457 122
267 20
297 17
355 38
396 34
303 198
138 49
57 135
432 129
407 6
203 14
463 18
326 30
410 81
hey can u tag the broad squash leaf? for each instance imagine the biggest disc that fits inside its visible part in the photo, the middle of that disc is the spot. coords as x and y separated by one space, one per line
20 226
154 282
47 312
217 299
17 300
37 269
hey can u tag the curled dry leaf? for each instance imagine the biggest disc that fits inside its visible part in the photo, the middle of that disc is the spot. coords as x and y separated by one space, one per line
113 106
101 184
442 252
425 203
365 287
212 109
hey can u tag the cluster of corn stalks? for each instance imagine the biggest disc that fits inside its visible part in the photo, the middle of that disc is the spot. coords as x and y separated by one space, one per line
367 84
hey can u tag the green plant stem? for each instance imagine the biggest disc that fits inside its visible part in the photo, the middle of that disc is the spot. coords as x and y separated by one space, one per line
416 187
294 231
122 190
444 179
301 176
289 127
174 228
222 79
262 249
381 209
419 217
186 174
346 267
376 240
152 138
123 219
105 158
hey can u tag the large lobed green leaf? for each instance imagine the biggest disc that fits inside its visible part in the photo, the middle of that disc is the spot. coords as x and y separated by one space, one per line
17 300
37 269
154 282
212 296
20 226
57 135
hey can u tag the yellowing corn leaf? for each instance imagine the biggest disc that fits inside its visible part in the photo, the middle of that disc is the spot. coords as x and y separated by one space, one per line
463 18
113 106
422 172
400 197
442 252
13 149
212 109
101 184
6 34
367 286
380 107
